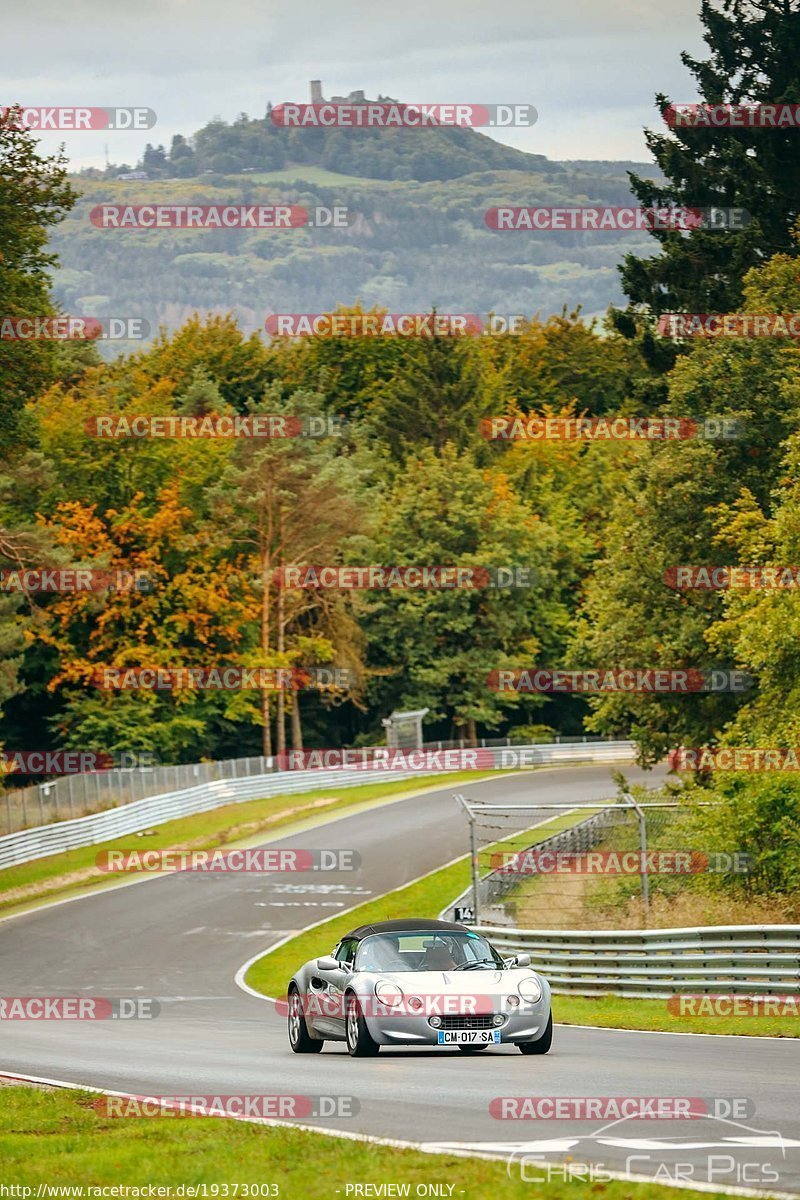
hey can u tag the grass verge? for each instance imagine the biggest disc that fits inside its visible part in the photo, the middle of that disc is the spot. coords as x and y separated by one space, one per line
75 870
426 897
57 1138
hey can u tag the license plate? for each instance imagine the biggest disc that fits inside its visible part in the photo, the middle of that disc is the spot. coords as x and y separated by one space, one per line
468 1037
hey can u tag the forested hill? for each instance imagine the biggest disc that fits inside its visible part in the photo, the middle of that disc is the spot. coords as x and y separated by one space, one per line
257 144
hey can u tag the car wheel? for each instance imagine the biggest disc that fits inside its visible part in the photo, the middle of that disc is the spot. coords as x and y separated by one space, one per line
473 1049
300 1039
542 1044
357 1036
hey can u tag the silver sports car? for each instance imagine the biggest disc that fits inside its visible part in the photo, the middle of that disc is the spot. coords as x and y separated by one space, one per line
418 982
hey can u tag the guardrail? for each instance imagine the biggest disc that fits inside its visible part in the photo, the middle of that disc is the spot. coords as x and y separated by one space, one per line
658 963
42 840
72 796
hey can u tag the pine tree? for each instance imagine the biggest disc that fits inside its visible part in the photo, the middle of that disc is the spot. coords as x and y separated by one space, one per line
755 58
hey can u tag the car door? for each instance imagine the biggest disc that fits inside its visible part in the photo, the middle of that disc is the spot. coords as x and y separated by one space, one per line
328 988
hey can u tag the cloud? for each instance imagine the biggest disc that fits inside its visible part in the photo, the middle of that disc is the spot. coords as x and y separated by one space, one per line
590 66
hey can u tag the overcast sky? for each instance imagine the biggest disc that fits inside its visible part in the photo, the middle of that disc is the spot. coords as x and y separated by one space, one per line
590 67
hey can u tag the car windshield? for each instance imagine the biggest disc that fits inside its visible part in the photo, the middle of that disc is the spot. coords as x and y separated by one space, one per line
426 950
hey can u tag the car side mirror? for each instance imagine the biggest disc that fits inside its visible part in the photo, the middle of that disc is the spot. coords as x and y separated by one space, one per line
522 960
326 963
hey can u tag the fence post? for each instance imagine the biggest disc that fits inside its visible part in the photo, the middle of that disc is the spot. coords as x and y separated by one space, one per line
643 848
473 845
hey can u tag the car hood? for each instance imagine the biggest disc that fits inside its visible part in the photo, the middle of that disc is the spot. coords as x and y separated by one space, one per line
455 983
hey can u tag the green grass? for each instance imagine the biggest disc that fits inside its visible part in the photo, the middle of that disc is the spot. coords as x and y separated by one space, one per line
58 1138
310 174
626 1012
46 877
271 973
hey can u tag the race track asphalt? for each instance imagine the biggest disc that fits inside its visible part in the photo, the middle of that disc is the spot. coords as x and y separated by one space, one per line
181 939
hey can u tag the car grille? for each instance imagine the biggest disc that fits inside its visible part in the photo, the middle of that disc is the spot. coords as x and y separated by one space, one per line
469 1021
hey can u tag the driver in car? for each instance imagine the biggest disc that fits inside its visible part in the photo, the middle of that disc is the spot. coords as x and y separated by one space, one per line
439 958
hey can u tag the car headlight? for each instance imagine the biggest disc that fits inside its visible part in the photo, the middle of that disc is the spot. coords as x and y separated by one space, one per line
415 1003
530 989
389 993
512 1001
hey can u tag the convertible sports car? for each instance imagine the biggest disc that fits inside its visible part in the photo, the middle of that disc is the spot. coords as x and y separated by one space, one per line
418 982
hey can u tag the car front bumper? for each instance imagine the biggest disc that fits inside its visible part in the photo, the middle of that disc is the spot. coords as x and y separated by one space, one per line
524 1024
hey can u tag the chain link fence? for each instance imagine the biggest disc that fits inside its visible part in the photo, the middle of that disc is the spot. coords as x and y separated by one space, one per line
79 795
582 867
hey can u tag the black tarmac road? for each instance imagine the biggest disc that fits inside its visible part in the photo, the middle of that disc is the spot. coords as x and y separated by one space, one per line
182 938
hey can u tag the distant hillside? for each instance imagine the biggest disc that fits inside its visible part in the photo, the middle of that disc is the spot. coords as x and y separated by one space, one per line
411 245
600 166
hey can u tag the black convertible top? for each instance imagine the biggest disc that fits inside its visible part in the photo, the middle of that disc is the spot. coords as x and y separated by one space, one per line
409 925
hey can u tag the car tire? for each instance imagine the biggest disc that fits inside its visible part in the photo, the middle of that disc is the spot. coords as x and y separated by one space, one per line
542 1044
300 1039
473 1049
357 1036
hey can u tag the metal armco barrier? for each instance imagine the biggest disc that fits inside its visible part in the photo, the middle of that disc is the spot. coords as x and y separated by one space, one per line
742 959
43 840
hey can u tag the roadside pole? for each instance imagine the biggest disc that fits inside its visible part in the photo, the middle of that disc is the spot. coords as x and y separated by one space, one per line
473 845
643 849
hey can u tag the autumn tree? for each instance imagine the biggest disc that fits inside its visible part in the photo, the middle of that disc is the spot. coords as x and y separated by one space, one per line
282 501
